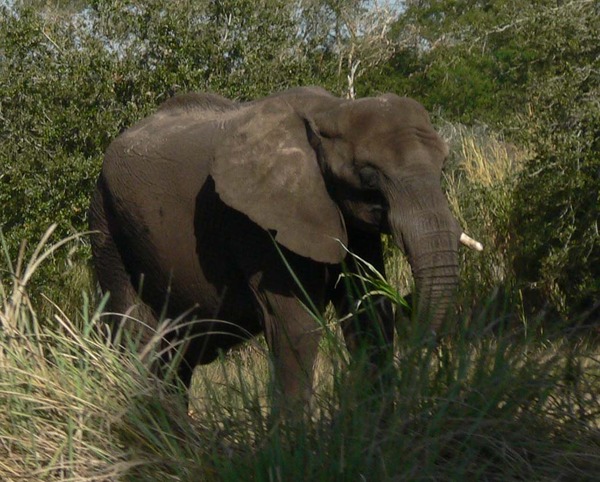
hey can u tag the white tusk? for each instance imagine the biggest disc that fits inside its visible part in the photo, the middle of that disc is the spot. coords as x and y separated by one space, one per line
469 242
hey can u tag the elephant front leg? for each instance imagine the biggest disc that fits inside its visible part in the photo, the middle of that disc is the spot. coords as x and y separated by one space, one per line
293 337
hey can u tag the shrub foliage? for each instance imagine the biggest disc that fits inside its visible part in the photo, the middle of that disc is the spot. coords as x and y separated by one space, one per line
70 83
72 79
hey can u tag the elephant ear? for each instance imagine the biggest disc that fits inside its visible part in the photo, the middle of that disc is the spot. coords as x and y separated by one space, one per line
266 168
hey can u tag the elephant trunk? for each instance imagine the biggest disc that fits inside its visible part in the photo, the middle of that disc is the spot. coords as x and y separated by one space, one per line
426 230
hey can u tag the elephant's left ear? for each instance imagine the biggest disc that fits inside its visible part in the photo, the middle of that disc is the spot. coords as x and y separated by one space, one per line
266 168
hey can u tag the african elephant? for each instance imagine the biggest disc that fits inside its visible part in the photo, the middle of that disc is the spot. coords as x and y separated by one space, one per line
198 205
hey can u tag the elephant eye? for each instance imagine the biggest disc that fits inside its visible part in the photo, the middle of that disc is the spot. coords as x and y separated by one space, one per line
369 177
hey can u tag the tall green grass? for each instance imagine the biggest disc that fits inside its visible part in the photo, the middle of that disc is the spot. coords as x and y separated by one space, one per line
489 402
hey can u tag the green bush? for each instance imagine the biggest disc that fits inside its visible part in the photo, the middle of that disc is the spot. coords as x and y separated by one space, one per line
69 84
470 60
55 122
557 208
556 244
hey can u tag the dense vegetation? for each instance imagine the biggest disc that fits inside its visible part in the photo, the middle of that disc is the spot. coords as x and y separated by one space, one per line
514 87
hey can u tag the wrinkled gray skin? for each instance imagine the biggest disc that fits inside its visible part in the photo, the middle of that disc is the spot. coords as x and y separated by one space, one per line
189 198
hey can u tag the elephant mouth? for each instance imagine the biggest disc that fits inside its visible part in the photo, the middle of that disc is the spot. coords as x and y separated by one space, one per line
380 213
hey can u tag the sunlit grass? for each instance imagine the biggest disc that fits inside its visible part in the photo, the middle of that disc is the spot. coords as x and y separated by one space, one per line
59 388
475 406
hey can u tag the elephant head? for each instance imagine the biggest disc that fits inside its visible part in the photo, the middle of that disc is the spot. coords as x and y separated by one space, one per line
385 161
311 171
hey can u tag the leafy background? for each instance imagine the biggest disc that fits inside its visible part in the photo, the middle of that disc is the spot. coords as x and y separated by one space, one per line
75 74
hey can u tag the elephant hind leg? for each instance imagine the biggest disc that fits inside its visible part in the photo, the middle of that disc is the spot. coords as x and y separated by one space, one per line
126 310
